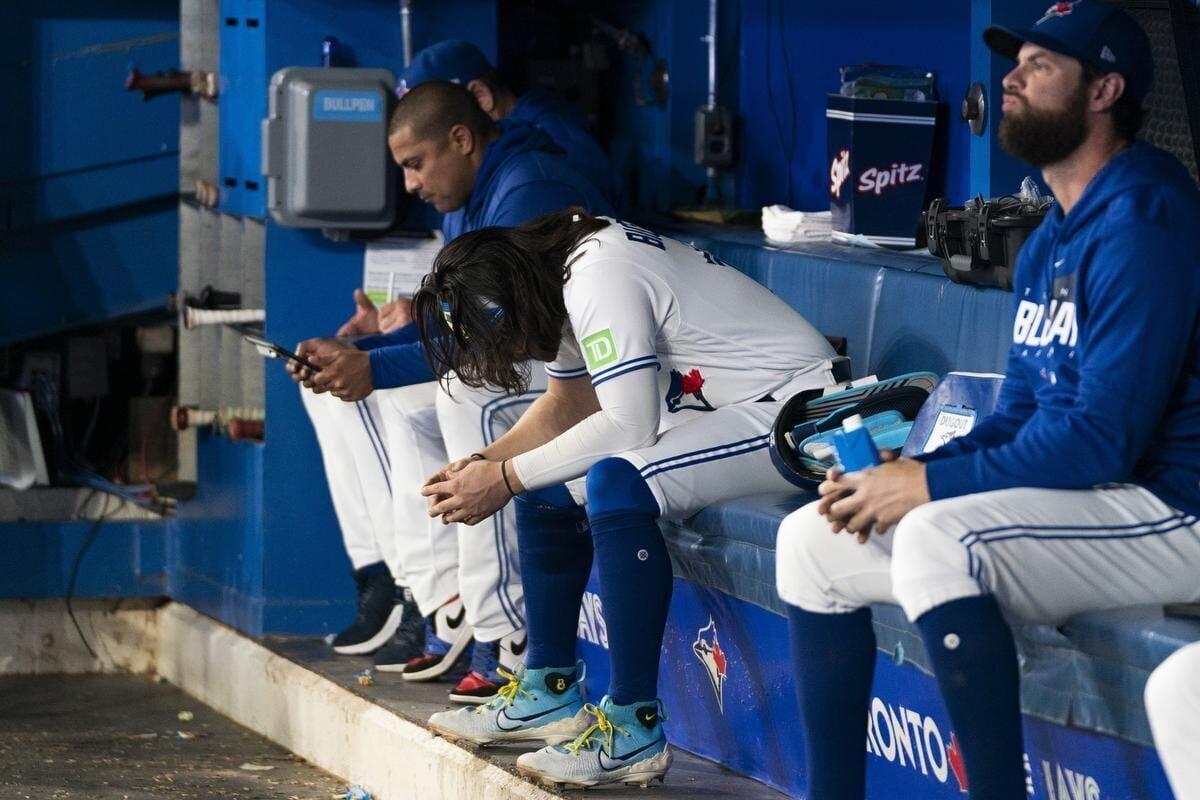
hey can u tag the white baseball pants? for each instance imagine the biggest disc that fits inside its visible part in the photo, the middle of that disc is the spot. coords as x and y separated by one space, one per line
1045 554
377 455
353 445
488 570
1173 705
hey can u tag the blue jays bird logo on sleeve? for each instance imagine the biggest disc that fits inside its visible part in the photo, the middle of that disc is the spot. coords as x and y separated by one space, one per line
687 391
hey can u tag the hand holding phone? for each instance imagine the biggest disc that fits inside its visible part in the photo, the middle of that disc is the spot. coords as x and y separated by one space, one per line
317 353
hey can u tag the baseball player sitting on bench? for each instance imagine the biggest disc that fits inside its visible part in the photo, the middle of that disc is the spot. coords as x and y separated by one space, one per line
1081 492
395 427
666 369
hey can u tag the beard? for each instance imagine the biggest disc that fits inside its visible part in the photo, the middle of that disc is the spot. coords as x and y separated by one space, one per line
1041 137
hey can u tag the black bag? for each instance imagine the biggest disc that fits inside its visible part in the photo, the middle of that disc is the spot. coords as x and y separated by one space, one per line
978 242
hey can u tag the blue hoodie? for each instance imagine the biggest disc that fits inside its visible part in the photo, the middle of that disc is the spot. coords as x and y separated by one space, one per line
1103 377
564 124
523 175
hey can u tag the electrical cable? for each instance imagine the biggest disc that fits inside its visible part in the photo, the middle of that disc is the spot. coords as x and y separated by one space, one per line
71 468
84 546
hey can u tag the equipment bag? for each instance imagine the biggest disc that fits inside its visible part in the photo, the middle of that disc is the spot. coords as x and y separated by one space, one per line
799 438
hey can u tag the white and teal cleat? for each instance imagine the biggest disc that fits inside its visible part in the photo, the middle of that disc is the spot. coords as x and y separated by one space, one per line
624 744
537 705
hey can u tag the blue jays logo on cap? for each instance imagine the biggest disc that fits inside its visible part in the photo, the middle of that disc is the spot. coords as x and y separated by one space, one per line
1097 34
1057 10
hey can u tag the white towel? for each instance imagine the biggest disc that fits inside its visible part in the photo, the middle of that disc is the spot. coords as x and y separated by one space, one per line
785 225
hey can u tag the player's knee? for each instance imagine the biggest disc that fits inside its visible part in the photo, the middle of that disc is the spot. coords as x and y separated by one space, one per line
1166 691
445 404
455 399
1159 694
615 486
553 497
927 553
800 548
548 514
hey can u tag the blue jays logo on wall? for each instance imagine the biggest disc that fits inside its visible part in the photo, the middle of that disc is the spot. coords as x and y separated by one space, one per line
1057 10
708 650
687 391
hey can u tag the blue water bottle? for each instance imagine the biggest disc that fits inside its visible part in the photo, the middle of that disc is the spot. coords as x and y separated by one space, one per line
854 447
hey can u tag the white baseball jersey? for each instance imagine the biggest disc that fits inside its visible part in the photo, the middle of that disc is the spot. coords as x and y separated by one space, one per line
661 327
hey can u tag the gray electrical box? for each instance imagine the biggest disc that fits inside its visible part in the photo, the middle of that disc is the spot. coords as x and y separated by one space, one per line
324 148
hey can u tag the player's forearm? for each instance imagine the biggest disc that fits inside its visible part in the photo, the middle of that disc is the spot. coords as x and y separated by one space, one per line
569 455
548 417
1051 451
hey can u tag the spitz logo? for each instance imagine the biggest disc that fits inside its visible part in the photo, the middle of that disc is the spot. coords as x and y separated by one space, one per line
876 180
1057 10
839 171
708 650
684 387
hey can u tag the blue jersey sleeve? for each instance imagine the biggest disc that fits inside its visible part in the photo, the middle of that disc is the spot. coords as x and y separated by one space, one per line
1139 296
405 335
400 365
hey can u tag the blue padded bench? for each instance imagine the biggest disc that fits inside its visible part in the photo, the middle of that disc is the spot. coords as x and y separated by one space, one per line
900 314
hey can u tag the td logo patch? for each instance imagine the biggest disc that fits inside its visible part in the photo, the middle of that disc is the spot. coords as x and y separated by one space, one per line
599 349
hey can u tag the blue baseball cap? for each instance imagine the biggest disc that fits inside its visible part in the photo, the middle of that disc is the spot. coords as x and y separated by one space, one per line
1100 35
452 60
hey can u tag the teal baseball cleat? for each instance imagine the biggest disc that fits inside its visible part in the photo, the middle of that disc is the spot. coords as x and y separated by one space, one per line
624 744
537 705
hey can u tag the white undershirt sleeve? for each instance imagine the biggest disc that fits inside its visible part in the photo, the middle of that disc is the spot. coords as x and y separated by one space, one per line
611 306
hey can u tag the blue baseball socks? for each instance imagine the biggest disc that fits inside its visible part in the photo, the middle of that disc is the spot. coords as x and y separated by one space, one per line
975 660
635 576
556 558
834 657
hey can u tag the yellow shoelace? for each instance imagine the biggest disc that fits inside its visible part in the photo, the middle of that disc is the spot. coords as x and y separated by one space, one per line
603 725
507 694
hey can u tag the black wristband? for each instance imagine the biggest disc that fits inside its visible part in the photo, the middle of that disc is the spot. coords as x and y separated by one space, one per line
504 474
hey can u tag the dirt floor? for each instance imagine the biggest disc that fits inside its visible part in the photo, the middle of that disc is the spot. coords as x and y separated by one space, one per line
118 737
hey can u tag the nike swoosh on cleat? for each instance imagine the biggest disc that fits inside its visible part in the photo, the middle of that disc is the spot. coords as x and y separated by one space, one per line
455 622
518 649
503 715
622 761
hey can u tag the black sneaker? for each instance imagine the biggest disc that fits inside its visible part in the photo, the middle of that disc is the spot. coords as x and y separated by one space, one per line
409 641
380 605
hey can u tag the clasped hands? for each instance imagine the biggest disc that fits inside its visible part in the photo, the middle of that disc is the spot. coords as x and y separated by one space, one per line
470 490
872 500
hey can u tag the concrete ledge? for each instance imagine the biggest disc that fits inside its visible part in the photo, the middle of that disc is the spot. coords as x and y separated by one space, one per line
319 720
37 637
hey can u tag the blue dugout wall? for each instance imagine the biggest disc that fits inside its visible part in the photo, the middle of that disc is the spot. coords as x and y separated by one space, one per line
88 184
